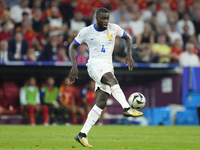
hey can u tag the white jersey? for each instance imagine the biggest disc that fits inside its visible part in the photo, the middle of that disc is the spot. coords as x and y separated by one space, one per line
100 42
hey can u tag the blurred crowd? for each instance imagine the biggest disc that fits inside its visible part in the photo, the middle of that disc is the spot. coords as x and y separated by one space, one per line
163 31
66 104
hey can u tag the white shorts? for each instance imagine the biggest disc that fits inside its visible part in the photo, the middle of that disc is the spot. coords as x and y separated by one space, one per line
96 70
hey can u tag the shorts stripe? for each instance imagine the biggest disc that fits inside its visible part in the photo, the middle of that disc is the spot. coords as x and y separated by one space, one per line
96 112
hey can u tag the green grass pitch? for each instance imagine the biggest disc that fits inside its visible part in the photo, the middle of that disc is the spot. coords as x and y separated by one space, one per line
101 137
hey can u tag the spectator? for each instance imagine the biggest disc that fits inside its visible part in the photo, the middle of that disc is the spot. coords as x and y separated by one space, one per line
162 14
6 18
188 58
85 7
37 22
162 50
177 49
30 56
50 50
121 10
82 56
30 101
186 20
3 7
17 46
146 37
5 55
185 35
49 5
119 51
56 23
17 10
154 24
67 100
124 24
76 23
137 24
193 40
49 97
36 4
88 96
181 9
62 56
5 34
29 34
11 3
147 13
172 33
145 54
196 22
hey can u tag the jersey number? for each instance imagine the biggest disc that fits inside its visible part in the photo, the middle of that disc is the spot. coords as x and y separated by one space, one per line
103 49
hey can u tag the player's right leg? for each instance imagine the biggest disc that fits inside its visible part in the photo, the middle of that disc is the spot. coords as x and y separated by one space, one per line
109 79
93 116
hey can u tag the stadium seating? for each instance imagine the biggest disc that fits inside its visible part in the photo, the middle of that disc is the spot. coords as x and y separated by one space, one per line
158 116
191 99
188 117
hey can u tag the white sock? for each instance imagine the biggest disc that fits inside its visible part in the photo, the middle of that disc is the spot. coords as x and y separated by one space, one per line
93 116
119 96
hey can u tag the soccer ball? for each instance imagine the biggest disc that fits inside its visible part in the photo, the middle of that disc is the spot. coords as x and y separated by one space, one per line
137 100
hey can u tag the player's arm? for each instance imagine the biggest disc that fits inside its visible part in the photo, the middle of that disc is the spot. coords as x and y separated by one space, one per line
128 58
73 74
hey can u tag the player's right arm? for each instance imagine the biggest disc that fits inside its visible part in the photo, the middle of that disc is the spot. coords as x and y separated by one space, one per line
79 39
73 74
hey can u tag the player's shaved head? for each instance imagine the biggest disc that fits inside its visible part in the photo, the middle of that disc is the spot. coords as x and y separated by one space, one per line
101 10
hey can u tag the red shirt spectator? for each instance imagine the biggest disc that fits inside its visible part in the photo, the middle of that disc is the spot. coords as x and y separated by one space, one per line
84 6
82 54
5 34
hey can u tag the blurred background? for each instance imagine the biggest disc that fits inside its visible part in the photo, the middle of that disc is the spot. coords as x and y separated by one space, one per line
34 62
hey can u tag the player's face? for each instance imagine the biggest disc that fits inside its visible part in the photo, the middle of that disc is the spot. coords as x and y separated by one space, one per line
50 82
102 21
32 81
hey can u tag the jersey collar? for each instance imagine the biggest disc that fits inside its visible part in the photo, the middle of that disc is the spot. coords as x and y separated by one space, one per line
97 29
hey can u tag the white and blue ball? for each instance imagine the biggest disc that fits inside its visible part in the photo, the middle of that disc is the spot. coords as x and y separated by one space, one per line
137 100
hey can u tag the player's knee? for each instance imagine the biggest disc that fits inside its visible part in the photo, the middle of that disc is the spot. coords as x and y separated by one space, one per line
109 80
101 104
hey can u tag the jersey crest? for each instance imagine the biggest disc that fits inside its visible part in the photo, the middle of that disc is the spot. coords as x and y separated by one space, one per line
110 36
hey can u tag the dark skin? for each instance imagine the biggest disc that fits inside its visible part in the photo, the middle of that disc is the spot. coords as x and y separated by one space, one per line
107 78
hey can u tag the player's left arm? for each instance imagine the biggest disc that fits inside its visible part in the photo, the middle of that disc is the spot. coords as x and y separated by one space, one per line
129 60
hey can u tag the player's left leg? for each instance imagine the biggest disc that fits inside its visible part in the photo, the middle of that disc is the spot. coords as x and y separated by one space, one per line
45 111
93 116
109 79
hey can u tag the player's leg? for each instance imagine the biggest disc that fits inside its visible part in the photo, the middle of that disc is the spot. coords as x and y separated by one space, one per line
31 113
45 111
109 79
93 116
81 111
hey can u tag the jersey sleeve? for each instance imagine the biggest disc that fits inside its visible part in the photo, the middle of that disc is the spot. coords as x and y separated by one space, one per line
119 31
79 39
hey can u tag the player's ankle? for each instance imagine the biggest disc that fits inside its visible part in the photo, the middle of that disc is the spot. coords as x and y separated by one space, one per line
82 134
126 109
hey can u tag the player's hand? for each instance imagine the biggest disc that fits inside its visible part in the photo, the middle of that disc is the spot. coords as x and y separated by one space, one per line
73 74
129 61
